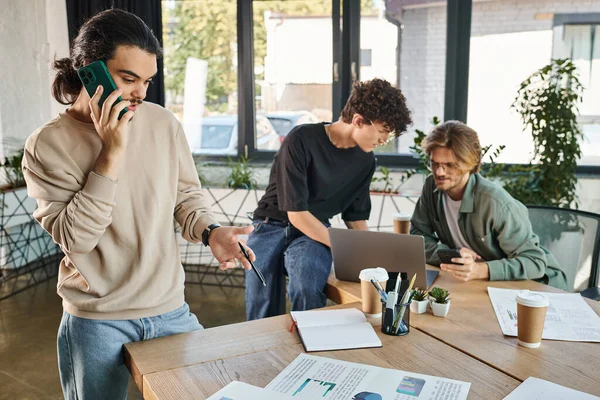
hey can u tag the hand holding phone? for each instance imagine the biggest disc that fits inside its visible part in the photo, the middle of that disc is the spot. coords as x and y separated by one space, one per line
94 75
108 110
446 255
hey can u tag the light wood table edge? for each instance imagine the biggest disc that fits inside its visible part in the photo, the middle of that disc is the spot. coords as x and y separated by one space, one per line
138 376
133 370
152 383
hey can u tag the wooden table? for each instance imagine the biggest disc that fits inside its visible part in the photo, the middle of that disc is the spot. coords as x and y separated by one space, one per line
472 328
197 364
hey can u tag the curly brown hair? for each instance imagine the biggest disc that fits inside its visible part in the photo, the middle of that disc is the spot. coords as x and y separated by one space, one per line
378 101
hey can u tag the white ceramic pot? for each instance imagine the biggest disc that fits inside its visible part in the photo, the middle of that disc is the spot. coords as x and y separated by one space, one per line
430 299
440 310
418 307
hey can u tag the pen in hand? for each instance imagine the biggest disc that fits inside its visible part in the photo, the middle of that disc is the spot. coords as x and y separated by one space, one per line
260 276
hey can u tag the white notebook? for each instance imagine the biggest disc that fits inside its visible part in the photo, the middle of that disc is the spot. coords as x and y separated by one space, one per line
335 330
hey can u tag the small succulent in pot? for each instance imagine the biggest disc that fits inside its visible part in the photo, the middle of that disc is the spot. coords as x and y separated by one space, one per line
440 301
419 301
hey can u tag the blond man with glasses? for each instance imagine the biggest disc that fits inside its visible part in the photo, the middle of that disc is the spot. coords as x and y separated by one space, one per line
459 209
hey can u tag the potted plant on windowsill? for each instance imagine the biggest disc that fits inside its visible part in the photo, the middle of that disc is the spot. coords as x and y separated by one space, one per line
441 301
235 195
25 248
15 206
419 301
386 180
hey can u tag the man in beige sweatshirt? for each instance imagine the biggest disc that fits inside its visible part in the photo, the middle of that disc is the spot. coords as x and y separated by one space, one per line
107 191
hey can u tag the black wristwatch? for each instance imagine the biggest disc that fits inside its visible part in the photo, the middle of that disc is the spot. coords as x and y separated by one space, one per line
207 231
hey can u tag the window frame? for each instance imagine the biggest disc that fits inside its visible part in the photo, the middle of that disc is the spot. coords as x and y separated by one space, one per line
346 50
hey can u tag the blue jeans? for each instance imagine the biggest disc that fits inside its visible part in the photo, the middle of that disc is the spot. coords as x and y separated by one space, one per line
90 351
283 250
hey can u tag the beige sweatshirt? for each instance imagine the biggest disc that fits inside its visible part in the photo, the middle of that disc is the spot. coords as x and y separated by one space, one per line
121 256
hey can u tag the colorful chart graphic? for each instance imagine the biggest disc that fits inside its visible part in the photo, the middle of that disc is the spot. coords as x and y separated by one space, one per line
411 386
314 387
367 396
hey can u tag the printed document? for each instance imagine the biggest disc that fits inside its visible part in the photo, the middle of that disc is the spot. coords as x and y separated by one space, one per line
539 389
243 391
569 317
311 377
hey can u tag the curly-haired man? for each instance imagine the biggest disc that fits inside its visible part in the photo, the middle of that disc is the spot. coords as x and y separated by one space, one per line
320 171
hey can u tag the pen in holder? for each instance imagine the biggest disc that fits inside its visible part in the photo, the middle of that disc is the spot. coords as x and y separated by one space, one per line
396 321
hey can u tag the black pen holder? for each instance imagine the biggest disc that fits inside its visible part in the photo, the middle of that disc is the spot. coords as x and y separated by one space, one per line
400 315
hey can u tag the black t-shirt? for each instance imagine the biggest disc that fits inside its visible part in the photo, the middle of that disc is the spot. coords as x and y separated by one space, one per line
310 174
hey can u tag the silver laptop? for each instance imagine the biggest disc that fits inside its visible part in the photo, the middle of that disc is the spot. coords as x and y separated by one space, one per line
354 250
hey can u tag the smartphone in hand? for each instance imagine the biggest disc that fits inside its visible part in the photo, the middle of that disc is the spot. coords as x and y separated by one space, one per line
96 74
446 255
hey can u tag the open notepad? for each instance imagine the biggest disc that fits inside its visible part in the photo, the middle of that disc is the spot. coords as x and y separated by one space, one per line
335 330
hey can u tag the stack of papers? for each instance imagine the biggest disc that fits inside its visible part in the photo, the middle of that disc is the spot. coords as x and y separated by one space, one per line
310 377
569 317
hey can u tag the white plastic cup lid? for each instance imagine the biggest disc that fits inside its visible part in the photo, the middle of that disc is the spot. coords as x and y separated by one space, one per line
402 216
377 274
532 299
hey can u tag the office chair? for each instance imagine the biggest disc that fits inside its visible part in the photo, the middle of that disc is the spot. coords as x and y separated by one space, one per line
573 237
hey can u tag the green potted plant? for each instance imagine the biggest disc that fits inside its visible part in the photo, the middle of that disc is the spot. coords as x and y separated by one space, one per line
386 179
419 301
548 104
22 239
15 206
242 175
440 301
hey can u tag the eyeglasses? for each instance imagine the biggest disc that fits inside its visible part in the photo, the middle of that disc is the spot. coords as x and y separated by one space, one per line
384 139
447 167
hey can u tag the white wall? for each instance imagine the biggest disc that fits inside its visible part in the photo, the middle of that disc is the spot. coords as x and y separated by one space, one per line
381 37
30 37
423 67
299 50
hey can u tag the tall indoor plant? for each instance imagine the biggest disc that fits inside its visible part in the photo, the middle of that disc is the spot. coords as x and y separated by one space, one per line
548 104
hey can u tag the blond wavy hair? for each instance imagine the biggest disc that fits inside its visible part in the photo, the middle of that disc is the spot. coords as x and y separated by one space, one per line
460 139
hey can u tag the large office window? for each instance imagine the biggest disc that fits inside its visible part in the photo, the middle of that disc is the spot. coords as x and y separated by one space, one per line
241 92
200 47
581 43
510 43
408 43
292 66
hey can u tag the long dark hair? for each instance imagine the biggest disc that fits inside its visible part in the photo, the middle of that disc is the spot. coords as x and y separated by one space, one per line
98 39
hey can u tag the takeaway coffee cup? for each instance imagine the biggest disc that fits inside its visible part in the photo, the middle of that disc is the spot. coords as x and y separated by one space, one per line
371 301
531 314
402 223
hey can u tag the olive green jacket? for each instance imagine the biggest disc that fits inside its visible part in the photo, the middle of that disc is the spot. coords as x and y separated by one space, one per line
495 225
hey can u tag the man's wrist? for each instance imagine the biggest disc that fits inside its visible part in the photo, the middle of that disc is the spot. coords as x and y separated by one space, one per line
484 270
206 233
